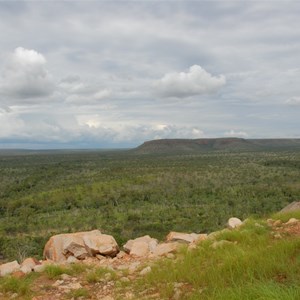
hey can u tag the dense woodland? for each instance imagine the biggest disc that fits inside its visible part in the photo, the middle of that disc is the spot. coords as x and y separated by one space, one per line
129 195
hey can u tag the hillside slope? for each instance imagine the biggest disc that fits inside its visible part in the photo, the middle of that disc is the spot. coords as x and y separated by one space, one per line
259 259
213 144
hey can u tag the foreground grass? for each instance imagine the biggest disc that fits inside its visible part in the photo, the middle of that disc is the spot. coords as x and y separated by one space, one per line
253 265
19 286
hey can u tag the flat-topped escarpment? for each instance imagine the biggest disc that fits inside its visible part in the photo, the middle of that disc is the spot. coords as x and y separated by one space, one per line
215 144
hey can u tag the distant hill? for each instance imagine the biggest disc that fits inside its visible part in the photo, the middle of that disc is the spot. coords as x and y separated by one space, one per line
214 144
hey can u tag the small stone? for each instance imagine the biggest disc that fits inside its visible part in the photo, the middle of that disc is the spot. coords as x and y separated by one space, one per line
145 270
129 295
277 236
277 223
178 284
101 257
177 294
125 279
107 276
58 283
74 286
14 295
65 277
132 268
121 254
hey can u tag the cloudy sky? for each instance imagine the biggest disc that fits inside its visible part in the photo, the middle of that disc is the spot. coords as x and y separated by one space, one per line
86 74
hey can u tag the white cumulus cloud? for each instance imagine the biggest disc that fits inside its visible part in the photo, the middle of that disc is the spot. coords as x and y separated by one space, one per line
195 81
25 76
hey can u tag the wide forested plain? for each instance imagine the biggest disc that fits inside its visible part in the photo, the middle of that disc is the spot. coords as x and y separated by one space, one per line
128 195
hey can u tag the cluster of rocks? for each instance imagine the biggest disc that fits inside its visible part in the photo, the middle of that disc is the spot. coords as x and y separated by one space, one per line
86 246
93 245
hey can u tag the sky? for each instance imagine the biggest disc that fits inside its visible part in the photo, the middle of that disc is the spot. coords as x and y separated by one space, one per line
113 74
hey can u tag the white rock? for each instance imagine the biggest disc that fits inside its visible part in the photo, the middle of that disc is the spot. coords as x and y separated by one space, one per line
234 223
145 270
140 249
182 237
143 242
80 245
39 268
26 269
8 268
165 248
30 262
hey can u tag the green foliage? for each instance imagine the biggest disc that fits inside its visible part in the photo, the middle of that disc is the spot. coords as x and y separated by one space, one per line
54 271
285 216
130 195
99 274
254 266
21 286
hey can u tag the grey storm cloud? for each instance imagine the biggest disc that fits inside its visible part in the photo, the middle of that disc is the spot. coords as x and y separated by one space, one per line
111 72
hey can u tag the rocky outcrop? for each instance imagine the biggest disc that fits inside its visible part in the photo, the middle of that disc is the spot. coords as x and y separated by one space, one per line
80 245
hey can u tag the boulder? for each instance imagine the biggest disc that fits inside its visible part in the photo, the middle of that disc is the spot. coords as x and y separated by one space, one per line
80 245
29 263
165 248
140 249
103 244
8 268
141 246
234 223
26 269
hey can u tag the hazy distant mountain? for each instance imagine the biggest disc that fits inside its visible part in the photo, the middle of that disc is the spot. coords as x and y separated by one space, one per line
211 144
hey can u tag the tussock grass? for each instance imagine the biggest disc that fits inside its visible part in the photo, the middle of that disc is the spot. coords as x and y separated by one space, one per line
20 286
253 266
99 274
54 271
